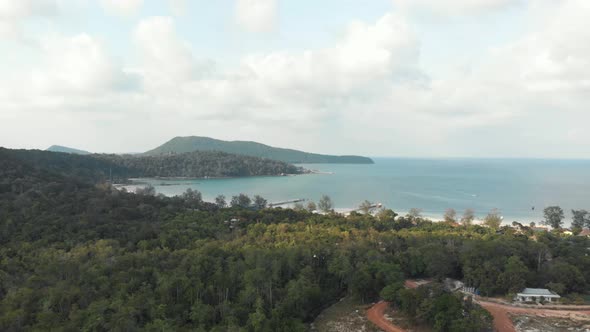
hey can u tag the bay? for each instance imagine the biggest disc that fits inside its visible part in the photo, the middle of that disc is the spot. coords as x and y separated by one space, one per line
519 188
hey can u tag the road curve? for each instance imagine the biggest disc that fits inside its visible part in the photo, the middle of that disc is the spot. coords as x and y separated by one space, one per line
376 315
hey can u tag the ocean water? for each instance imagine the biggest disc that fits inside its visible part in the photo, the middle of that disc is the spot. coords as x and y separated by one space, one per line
514 186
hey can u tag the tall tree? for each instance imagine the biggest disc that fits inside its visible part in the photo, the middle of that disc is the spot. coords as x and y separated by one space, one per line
192 197
259 202
514 277
553 216
241 200
493 219
468 217
311 206
325 204
450 215
580 219
415 213
220 201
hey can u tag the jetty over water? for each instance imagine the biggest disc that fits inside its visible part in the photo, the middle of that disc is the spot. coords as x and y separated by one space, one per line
292 201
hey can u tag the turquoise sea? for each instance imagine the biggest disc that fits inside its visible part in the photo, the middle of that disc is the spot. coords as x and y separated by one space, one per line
514 186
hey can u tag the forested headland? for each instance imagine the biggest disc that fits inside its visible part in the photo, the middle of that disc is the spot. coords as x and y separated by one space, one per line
102 167
77 254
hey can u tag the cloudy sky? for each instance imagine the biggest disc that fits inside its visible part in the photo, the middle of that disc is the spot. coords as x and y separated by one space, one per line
427 78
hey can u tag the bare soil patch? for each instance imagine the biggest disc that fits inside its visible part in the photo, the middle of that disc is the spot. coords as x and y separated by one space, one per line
528 323
347 316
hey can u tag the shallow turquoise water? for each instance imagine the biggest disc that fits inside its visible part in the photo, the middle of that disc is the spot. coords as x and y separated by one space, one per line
513 186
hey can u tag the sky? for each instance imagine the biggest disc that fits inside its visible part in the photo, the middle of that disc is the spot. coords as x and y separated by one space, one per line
406 78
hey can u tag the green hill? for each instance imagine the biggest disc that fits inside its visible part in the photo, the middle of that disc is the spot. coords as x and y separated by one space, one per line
65 149
196 143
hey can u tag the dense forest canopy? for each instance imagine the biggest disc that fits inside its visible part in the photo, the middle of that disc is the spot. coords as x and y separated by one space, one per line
195 143
100 167
76 254
201 164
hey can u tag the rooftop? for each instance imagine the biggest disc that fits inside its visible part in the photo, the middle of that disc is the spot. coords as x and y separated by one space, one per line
538 292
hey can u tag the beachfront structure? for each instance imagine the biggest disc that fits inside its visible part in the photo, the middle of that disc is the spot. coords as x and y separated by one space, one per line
536 295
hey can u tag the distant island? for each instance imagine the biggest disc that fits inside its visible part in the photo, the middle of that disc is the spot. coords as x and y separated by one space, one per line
65 149
254 149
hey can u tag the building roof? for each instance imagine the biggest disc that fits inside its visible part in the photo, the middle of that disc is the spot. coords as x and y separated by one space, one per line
537 292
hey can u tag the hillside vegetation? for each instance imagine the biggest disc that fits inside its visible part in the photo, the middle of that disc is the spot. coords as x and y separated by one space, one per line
101 167
195 143
200 164
78 255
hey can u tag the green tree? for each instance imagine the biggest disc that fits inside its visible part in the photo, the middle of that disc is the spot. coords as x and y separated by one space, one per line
514 277
415 213
220 201
386 215
311 206
580 219
259 202
553 216
468 217
450 216
390 293
193 198
257 319
325 204
493 220
241 200
298 207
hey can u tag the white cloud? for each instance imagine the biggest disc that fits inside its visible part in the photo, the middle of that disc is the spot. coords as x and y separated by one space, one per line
14 12
122 7
178 7
367 91
166 59
256 15
11 9
455 7
78 64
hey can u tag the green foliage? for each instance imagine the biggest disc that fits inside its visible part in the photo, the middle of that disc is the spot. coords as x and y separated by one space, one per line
468 217
76 254
553 216
581 219
493 220
198 164
434 306
325 204
220 201
450 216
179 145
514 277
259 202
241 200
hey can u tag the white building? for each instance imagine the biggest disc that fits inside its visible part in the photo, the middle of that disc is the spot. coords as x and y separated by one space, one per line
536 295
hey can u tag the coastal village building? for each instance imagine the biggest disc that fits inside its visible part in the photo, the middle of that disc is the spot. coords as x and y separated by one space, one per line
536 295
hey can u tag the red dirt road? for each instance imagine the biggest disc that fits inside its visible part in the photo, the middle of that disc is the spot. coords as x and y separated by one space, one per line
503 323
375 315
